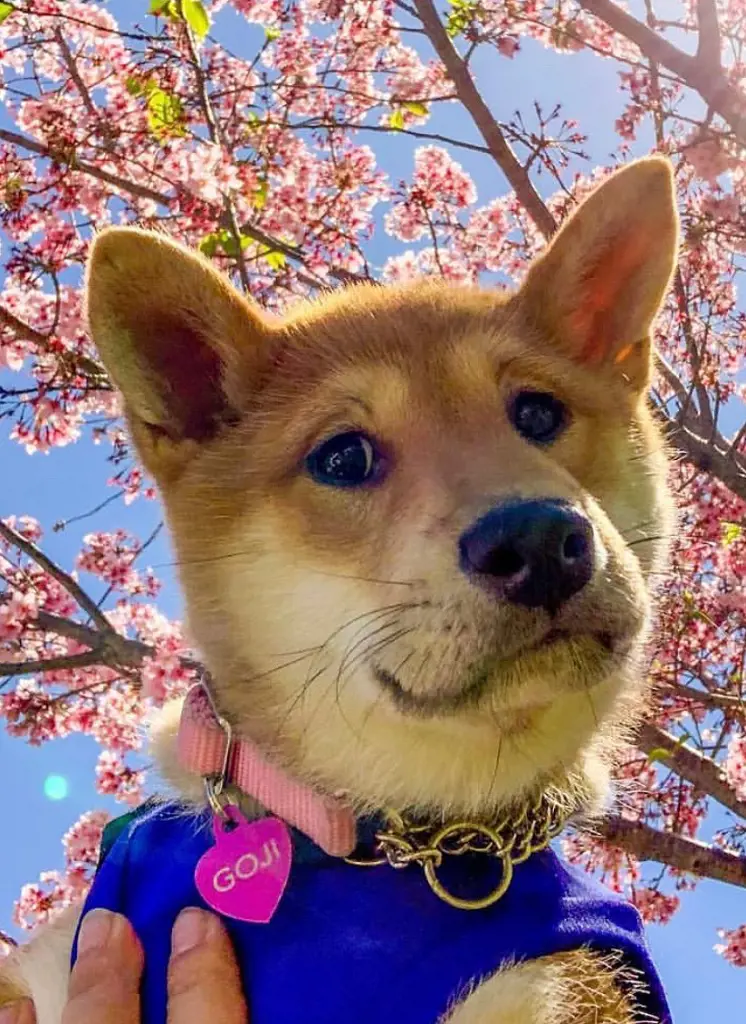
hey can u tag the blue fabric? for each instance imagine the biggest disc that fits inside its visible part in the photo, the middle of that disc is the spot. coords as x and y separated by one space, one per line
373 943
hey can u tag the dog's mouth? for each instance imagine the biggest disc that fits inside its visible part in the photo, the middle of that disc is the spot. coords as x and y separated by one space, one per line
555 636
405 700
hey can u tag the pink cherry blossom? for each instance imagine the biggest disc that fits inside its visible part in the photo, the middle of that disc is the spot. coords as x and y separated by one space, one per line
326 144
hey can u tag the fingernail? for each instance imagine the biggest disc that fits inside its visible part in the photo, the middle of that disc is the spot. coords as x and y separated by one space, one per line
97 929
192 927
20 1012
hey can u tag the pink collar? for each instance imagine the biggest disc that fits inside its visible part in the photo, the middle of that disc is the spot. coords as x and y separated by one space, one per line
201 748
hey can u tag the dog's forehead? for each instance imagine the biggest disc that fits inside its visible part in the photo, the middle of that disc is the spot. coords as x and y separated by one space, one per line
396 350
401 324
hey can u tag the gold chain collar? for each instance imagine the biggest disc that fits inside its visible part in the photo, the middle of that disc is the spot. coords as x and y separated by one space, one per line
512 839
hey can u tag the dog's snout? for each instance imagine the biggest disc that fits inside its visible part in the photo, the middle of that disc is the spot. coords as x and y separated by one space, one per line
533 553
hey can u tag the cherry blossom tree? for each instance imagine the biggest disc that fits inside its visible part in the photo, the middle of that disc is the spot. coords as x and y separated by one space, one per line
270 160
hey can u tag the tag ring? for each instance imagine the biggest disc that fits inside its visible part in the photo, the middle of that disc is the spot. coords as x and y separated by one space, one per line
217 797
215 784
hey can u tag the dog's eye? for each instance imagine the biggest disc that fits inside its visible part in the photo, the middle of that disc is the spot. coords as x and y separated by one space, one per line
345 460
538 416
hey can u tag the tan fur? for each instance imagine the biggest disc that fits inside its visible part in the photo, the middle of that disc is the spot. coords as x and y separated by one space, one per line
296 592
571 988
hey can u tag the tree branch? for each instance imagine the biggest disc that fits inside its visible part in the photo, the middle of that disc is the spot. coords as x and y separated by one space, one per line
71 586
21 329
138 191
72 162
489 129
216 137
708 47
714 456
65 662
704 406
73 362
72 70
115 650
672 379
674 851
704 774
725 702
710 82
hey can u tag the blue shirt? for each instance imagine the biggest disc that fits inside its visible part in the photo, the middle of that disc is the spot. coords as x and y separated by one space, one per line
363 943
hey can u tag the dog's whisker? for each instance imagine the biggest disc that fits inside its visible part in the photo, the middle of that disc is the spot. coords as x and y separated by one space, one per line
367 579
373 646
352 647
390 610
177 563
377 702
371 614
286 664
311 675
299 695
496 769
589 697
381 643
378 646
647 540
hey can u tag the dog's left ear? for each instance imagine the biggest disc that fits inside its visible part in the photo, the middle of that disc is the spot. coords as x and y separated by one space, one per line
597 289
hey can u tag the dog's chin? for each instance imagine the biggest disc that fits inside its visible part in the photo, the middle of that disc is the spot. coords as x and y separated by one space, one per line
571 660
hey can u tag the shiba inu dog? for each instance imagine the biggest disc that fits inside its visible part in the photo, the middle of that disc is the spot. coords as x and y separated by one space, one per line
416 529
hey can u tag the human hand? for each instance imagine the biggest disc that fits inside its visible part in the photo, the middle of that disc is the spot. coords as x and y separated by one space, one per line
203 979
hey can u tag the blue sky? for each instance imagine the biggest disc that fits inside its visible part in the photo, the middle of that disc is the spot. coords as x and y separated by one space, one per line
72 480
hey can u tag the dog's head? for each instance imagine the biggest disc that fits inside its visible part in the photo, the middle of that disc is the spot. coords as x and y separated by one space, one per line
416 526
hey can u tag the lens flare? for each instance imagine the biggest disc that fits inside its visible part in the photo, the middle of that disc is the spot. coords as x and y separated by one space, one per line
55 787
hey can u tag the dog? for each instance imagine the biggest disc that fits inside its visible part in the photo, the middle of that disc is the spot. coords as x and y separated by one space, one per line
417 529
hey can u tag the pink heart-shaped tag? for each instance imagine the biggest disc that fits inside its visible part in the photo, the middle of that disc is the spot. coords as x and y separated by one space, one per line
243 876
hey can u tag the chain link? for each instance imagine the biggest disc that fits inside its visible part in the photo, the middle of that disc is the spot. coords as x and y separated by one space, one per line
511 840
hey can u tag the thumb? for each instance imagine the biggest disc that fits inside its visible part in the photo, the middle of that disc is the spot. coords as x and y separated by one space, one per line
204 982
104 984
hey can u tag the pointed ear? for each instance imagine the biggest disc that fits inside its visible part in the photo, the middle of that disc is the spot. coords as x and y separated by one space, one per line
177 339
597 289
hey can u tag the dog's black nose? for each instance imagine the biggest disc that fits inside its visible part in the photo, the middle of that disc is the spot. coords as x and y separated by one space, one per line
534 553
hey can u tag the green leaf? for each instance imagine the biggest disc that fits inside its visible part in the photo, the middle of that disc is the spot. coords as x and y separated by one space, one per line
259 198
196 17
659 754
463 14
230 246
396 121
272 33
275 259
134 86
158 6
419 109
731 533
165 112
5 11
209 244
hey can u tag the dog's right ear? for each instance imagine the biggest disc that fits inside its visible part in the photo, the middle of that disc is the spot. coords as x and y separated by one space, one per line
178 340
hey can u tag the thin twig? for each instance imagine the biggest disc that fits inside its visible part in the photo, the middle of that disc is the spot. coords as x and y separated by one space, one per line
65 579
490 130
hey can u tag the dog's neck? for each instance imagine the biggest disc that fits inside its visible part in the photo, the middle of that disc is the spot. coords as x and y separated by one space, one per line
207 750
